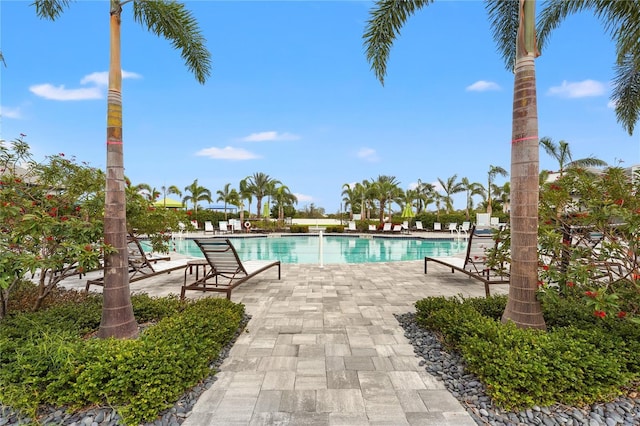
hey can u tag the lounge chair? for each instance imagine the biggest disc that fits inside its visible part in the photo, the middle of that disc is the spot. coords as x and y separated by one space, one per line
352 226
387 227
419 226
141 264
236 225
397 229
453 227
474 263
223 227
405 227
373 228
465 228
226 270
437 226
208 227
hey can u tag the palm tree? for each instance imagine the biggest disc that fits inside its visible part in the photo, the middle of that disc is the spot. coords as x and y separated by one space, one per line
350 198
450 187
505 197
168 191
425 195
259 184
366 192
171 20
514 31
198 193
493 172
471 189
562 154
224 196
283 197
620 19
387 190
244 193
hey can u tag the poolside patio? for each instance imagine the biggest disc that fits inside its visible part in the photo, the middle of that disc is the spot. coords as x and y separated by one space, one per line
323 347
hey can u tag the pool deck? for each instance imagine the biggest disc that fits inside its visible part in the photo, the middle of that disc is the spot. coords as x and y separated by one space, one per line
323 347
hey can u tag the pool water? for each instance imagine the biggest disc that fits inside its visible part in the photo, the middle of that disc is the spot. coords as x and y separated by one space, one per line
305 249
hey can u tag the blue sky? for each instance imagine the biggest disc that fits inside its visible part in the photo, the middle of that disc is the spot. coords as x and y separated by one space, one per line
292 95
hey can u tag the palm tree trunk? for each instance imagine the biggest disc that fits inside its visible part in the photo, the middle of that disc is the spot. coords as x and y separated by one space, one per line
522 307
117 312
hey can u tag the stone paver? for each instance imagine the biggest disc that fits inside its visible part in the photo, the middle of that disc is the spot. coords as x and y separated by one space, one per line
323 348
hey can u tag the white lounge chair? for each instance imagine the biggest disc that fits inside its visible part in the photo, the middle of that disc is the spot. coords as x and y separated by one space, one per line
453 227
208 227
387 227
437 226
465 227
372 228
419 226
223 226
405 226
352 226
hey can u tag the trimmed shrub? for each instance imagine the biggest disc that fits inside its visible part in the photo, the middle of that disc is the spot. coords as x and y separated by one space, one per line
56 366
299 229
580 363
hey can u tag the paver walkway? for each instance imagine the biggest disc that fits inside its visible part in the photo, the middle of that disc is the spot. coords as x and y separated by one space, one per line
323 348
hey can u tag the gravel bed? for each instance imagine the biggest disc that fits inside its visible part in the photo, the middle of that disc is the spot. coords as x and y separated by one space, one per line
106 416
449 367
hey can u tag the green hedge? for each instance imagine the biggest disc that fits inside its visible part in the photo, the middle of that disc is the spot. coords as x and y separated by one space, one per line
299 229
46 363
526 367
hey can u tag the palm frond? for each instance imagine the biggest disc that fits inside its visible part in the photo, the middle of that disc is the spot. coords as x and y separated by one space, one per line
552 15
626 93
387 18
504 18
176 24
50 9
587 162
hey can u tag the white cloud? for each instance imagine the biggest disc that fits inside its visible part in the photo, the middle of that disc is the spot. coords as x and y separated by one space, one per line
227 153
612 104
8 112
579 89
368 154
303 197
482 86
60 93
413 185
270 136
102 78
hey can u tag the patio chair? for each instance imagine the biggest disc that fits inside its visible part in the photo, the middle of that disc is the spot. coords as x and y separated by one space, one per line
208 227
397 229
465 227
453 227
405 227
352 226
372 228
226 270
223 227
437 226
141 264
419 226
474 264
387 227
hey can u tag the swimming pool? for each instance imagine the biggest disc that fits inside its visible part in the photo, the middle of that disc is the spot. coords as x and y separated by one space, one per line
336 249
